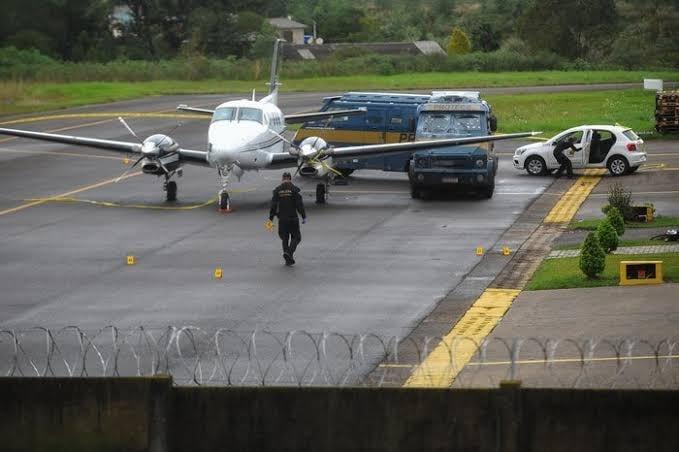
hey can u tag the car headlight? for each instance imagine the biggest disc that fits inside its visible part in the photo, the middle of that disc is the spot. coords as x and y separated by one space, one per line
480 163
519 151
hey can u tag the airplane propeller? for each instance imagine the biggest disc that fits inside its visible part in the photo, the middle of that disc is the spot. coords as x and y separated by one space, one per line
149 149
310 151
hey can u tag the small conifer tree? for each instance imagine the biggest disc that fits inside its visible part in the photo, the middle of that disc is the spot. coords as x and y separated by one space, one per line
592 256
615 217
608 238
459 43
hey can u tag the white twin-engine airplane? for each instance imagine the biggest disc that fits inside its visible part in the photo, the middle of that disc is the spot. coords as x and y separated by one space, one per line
246 135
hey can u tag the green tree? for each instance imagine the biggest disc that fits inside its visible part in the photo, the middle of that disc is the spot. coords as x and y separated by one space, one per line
615 217
592 256
568 27
608 238
458 43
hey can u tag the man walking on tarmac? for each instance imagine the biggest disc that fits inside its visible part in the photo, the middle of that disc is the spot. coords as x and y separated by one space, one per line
564 161
285 203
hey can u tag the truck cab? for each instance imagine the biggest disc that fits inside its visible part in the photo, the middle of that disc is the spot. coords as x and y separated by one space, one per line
452 114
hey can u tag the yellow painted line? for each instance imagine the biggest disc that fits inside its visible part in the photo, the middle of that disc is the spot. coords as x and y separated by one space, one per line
72 192
111 115
446 361
59 154
130 206
574 360
566 208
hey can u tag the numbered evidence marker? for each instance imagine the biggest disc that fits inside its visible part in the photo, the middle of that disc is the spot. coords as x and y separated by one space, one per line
218 273
131 260
479 251
506 251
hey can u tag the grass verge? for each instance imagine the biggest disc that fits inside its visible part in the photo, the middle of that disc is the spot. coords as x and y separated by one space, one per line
658 222
565 274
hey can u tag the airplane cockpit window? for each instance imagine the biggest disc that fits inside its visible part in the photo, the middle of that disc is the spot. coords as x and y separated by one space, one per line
250 114
224 114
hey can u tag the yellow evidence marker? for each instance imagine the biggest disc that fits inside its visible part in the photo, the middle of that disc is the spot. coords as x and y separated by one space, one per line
218 273
131 260
506 251
479 251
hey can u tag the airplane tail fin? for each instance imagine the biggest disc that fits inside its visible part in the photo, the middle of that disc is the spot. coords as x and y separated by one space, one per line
272 97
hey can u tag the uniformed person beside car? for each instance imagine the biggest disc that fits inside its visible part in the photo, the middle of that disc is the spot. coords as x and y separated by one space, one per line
564 161
286 203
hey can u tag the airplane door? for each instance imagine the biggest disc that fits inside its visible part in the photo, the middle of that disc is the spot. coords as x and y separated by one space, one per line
579 159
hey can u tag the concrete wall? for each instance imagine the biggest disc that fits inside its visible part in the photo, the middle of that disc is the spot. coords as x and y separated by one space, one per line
149 414
78 414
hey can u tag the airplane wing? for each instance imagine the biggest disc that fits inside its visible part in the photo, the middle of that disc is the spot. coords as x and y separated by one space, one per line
304 117
125 147
201 111
380 149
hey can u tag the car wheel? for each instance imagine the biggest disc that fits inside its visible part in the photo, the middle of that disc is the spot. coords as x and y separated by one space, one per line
535 166
414 192
617 165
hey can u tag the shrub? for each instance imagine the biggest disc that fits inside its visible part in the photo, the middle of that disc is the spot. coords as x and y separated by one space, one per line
615 217
621 199
608 238
592 256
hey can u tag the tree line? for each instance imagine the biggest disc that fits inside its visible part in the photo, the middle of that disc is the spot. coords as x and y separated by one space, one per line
622 31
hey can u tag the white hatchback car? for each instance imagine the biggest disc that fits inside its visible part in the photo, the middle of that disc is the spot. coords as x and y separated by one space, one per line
617 148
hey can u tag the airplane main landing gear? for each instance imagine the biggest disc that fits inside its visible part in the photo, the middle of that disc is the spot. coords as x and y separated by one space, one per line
321 193
170 190
224 202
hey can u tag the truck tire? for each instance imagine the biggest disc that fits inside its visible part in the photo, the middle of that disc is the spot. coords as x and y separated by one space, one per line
487 191
320 194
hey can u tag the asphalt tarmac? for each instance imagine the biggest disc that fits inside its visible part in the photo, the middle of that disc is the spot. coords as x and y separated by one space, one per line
372 259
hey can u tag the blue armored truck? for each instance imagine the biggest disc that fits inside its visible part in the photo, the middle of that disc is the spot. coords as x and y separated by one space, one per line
452 114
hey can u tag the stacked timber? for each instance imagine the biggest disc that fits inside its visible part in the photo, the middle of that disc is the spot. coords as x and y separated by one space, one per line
667 112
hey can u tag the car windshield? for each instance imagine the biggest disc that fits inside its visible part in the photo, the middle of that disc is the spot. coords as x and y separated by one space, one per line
457 123
224 114
250 114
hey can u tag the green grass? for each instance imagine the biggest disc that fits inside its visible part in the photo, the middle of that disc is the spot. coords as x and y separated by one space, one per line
565 274
638 242
516 112
658 222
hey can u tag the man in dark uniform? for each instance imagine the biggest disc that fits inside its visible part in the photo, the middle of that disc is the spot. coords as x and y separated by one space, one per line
285 203
564 161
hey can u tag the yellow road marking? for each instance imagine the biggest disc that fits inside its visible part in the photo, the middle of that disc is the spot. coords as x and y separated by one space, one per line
58 154
574 360
570 202
456 348
130 206
545 361
111 115
72 192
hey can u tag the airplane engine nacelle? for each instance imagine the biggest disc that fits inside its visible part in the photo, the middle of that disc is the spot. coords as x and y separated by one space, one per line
149 166
316 170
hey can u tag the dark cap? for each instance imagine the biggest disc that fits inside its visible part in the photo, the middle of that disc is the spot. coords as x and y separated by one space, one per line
287 176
